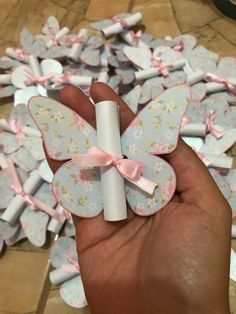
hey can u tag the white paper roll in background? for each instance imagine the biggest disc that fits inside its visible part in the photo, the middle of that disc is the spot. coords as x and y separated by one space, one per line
79 80
55 225
35 66
103 77
13 54
59 276
77 48
233 232
194 129
17 204
195 77
5 79
152 72
116 28
223 162
113 189
61 33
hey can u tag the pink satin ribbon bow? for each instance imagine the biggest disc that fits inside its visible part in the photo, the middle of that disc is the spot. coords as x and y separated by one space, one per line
64 78
214 78
17 128
42 80
179 45
122 21
21 53
210 122
129 169
32 201
75 40
160 66
185 120
136 37
72 266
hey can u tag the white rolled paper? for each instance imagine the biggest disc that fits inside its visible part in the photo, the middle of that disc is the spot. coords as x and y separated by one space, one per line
17 204
5 79
152 72
27 130
35 66
77 48
127 36
116 28
223 162
61 33
79 80
3 161
58 276
113 189
11 52
103 77
213 87
194 129
233 231
55 225
195 77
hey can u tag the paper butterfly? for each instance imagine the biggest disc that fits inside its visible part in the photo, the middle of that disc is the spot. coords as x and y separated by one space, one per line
154 131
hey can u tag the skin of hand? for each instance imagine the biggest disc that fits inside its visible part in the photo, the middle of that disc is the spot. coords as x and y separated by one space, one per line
174 262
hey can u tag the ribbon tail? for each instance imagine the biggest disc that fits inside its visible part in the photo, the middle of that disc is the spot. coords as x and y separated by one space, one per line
70 268
145 184
47 209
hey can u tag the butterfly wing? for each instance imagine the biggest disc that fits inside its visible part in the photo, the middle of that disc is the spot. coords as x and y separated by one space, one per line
155 130
65 133
59 251
72 292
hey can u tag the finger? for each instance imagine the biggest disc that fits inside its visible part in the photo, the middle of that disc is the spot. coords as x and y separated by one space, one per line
100 92
194 182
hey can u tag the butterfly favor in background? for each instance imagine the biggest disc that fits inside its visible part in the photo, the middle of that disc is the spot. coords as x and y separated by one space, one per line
147 181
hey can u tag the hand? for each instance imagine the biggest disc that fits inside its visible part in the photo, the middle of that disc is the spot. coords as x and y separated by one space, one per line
174 262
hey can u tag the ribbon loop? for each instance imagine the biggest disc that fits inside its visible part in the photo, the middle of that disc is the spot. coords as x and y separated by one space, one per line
160 66
129 169
214 78
212 127
17 128
135 37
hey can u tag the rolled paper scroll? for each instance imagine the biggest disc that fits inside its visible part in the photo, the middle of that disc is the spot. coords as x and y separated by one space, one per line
118 27
195 77
133 39
103 77
58 276
35 66
61 33
233 231
152 72
79 80
77 47
217 87
194 129
5 79
18 203
3 161
223 162
26 129
55 225
18 54
113 189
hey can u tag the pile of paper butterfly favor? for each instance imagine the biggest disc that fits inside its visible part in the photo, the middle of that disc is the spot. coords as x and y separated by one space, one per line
159 75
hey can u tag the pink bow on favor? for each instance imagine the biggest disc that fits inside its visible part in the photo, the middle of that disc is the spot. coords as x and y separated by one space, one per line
22 53
64 78
42 80
17 128
136 37
179 45
214 78
75 40
32 201
72 266
212 128
161 66
122 21
129 169
185 121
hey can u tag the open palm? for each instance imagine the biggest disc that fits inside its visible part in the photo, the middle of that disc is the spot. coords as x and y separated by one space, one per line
176 261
